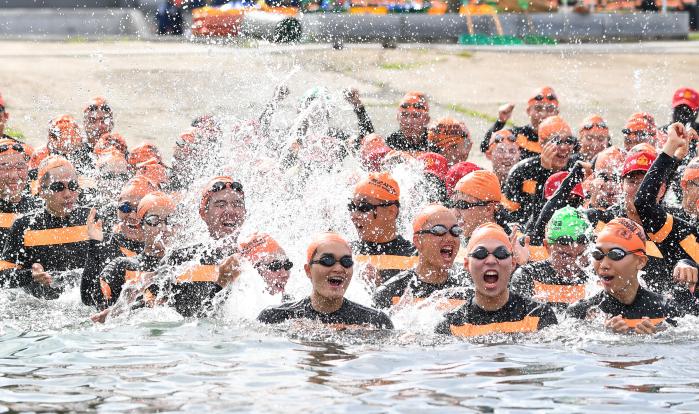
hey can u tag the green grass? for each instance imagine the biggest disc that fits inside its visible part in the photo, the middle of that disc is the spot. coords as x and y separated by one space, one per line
693 36
473 113
400 66
465 54
14 133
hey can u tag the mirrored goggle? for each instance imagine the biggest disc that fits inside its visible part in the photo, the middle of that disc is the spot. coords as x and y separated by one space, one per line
59 186
499 253
615 254
440 230
330 260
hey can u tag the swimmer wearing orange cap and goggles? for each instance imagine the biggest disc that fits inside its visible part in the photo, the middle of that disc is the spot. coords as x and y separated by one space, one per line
329 266
493 308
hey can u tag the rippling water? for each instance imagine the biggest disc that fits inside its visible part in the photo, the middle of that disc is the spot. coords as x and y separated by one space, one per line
53 359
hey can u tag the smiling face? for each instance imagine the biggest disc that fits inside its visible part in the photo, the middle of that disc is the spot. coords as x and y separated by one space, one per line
330 283
160 233
438 252
617 277
225 213
592 142
491 276
63 202
374 225
458 151
13 173
275 278
130 224
504 156
562 153
472 217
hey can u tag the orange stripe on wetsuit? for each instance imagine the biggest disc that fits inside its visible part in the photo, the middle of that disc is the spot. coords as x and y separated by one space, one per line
388 261
61 235
449 304
635 322
199 273
6 219
528 324
559 293
126 252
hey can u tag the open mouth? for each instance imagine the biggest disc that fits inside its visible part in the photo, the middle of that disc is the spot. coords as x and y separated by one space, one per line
335 281
229 223
447 252
606 280
491 278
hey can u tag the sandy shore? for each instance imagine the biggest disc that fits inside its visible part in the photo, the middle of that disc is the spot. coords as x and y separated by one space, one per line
156 88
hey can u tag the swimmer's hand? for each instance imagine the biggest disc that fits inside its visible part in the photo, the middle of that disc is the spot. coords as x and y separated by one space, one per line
505 112
40 276
229 270
280 93
520 246
686 274
547 154
101 316
371 274
617 324
646 327
677 144
94 226
351 95
586 166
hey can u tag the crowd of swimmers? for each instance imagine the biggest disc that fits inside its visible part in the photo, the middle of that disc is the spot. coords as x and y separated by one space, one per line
562 224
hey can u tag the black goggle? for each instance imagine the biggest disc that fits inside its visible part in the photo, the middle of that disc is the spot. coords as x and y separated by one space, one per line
602 125
615 254
364 207
276 265
418 106
568 240
500 138
640 134
440 230
105 108
155 221
608 177
127 207
540 98
59 186
545 107
500 253
15 147
465 205
329 260
570 140
221 185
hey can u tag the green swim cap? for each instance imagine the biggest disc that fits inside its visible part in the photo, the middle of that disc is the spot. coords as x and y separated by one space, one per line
567 223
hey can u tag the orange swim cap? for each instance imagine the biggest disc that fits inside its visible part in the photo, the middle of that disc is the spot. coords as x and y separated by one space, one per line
259 246
138 186
144 152
10 143
152 200
415 98
488 231
112 158
154 171
609 160
481 184
554 125
424 215
52 162
447 132
379 185
545 95
111 140
209 189
322 238
594 124
624 233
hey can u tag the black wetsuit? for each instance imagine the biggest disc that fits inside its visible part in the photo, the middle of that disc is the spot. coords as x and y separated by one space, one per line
393 291
100 254
527 139
58 244
349 314
388 258
646 304
524 192
192 292
9 212
399 142
676 238
517 316
540 282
